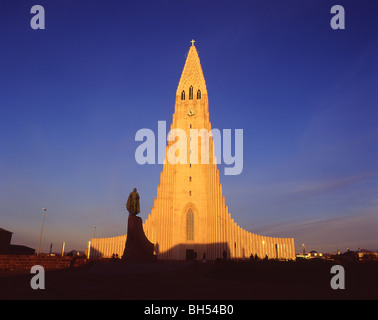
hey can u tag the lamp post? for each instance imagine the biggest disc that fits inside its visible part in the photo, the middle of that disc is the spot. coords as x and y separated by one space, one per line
94 232
43 221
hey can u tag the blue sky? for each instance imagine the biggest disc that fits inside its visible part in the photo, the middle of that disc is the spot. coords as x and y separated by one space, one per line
73 96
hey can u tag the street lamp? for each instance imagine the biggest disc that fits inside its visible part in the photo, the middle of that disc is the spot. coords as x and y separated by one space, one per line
43 221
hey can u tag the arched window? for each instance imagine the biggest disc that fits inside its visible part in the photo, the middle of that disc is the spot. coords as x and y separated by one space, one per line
183 95
191 93
189 225
199 94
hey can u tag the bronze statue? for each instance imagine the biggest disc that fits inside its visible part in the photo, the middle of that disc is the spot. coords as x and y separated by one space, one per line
132 204
137 247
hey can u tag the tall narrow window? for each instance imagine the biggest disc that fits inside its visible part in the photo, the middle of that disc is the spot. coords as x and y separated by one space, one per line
191 93
199 94
190 225
183 95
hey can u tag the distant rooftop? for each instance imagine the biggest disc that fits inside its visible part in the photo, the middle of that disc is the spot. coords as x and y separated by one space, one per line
3 230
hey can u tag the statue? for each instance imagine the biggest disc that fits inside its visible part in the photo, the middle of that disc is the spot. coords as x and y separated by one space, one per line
137 247
132 204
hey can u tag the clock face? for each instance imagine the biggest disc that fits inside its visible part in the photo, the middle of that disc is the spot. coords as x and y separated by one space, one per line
190 112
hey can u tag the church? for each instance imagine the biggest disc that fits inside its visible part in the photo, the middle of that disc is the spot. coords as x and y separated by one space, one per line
190 217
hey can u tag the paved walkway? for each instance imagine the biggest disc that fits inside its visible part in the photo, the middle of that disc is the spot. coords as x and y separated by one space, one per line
183 280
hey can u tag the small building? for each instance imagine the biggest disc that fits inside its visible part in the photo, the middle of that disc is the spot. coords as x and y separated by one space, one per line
315 254
7 248
5 240
312 255
367 255
21 250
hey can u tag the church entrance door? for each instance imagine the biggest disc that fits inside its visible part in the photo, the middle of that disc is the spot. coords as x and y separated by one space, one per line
189 254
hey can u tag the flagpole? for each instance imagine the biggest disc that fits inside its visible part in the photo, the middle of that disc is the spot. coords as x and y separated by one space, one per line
43 221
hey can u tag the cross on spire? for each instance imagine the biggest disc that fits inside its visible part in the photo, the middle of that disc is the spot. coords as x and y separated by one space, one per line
192 42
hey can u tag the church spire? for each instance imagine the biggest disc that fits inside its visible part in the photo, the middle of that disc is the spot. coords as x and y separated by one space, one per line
192 75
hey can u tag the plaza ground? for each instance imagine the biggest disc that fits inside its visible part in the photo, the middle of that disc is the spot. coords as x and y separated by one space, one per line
187 280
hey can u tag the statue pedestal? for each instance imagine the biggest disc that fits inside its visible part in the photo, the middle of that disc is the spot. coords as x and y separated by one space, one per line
138 248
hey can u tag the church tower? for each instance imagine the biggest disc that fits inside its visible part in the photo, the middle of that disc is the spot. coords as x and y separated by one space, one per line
189 213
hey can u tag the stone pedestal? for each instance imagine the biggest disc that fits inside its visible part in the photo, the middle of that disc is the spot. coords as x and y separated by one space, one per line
138 248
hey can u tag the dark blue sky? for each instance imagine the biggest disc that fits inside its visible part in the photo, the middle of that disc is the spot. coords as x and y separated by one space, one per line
73 96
